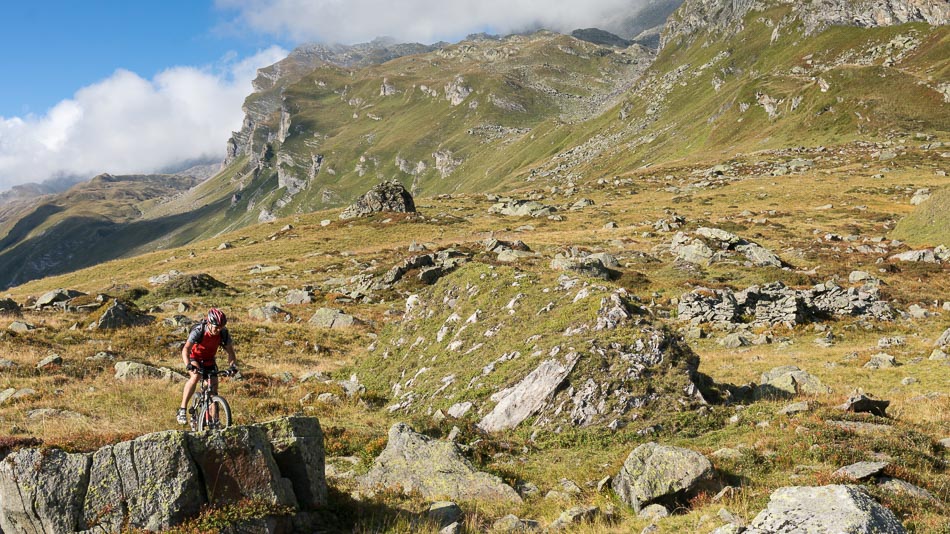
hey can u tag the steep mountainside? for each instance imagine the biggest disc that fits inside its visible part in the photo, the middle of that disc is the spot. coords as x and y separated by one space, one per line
495 114
90 223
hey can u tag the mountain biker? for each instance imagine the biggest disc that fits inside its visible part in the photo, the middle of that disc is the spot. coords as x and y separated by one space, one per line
199 352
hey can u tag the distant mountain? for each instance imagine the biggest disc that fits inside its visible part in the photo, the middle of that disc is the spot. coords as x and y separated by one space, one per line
495 114
601 37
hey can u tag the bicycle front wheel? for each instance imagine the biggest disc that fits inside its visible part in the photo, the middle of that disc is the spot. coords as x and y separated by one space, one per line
215 415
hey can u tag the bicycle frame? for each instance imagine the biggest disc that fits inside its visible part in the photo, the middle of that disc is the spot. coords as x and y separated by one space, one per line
203 403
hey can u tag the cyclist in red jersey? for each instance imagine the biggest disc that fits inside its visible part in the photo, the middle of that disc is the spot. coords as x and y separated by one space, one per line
200 350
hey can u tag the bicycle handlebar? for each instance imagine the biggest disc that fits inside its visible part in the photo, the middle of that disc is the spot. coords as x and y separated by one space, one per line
207 372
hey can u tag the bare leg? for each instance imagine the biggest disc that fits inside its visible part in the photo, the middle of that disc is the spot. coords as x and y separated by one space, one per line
189 389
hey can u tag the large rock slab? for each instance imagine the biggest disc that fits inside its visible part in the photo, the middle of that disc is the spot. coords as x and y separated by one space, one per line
653 473
333 318
386 197
517 403
150 483
838 509
139 371
120 315
42 490
436 469
57 295
297 445
237 463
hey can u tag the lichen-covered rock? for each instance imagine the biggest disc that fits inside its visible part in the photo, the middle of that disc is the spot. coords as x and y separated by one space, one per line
150 483
333 318
140 371
433 468
237 463
659 473
788 381
120 315
844 509
297 445
189 284
386 197
50 298
519 402
42 490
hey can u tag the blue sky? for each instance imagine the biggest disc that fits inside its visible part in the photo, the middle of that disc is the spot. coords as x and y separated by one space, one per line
128 87
54 48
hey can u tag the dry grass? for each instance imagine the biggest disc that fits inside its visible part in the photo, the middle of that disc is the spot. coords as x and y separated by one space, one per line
796 449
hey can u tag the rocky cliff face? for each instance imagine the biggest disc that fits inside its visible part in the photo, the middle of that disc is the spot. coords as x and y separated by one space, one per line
726 16
262 109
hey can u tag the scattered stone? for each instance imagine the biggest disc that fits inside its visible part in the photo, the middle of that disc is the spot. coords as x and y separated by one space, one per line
938 355
881 360
389 196
269 312
522 208
654 472
333 318
864 404
896 485
297 297
861 470
654 512
138 371
444 513
794 408
512 524
52 359
824 509
120 315
55 296
789 381
574 516
20 327
416 463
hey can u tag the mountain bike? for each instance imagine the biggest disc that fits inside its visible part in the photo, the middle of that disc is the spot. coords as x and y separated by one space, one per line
209 411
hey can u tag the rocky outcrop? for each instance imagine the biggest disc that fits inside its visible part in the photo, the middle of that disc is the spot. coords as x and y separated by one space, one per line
433 468
56 296
262 108
138 371
121 315
521 208
389 196
654 473
159 480
591 358
846 509
333 318
517 403
789 381
189 284
713 245
775 304
726 17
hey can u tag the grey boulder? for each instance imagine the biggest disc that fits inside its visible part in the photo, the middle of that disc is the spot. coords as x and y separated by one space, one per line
839 509
659 473
42 490
386 197
433 468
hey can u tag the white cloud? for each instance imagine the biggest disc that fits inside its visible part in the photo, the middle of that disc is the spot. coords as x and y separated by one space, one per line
350 21
126 124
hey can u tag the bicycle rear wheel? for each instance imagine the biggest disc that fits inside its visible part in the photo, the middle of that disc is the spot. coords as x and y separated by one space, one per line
221 417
